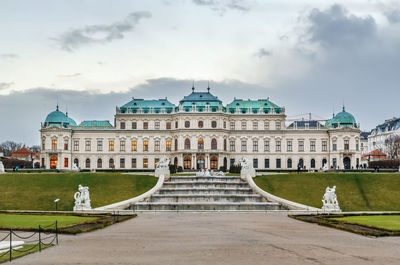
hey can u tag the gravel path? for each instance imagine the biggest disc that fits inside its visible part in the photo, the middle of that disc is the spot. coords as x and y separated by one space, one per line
218 238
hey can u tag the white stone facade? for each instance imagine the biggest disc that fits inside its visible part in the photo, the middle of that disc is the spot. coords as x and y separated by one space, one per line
382 136
210 138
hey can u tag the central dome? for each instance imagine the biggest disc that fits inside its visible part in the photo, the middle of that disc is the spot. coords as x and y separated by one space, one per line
342 119
58 118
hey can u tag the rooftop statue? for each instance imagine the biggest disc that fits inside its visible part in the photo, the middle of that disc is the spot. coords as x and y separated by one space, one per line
82 199
329 200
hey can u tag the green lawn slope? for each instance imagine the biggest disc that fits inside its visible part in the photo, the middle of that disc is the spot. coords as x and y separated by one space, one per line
37 191
355 191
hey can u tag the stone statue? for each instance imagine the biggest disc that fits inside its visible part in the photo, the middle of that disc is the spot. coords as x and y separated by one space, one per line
75 168
325 167
82 199
2 170
329 200
247 170
162 168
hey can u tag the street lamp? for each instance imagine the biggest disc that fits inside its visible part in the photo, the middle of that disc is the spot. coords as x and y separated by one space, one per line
56 201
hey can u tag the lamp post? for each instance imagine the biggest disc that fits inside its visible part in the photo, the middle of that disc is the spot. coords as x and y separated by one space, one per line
56 201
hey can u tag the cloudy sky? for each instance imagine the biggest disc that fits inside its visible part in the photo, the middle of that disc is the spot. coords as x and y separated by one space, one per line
93 55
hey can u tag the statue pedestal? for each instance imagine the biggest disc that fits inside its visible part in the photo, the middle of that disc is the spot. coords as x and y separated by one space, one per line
247 172
162 171
81 208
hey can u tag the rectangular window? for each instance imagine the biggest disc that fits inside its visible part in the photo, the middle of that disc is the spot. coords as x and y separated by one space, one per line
324 146
176 125
157 125
266 163
244 146
301 146
122 146
168 145
255 125
122 162
334 146
278 146
145 125
255 163
145 162
224 124
145 145
244 125
266 125
168 126
88 145
346 145
289 145
123 125
334 162
232 146
133 162
278 163
278 125
54 144
156 145
66 144
255 146
357 146
66 162
76 145
312 146
134 125
99 145
266 146
111 145
134 146
232 126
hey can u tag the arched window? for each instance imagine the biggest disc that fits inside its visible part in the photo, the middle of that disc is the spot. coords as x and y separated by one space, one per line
301 163
289 163
214 144
214 124
200 144
324 162
201 124
87 164
187 143
214 162
187 124
176 144
312 164
187 162
76 162
99 163
111 163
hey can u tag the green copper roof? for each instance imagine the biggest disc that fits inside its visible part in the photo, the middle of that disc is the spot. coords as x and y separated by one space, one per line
253 106
342 119
146 106
98 124
58 118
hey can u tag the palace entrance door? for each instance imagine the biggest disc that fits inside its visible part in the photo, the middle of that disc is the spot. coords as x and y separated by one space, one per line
53 162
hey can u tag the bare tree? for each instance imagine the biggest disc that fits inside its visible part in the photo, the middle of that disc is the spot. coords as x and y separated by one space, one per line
392 144
9 147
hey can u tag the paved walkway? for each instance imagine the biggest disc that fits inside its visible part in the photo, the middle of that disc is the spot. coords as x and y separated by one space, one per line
218 238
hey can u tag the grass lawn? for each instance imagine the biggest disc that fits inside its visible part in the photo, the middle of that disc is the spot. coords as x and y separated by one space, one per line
16 254
390 222
355 191
33 221
37 191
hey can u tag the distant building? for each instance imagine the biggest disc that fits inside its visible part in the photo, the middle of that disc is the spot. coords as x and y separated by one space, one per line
384 136
364 142
26 155
199 132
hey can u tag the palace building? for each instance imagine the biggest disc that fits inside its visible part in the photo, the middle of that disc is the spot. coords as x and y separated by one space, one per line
199 132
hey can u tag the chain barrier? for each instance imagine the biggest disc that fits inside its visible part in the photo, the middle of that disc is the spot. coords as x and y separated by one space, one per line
36 243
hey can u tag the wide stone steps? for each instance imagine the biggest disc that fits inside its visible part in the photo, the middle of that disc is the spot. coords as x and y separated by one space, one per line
206 198
206 191
205 206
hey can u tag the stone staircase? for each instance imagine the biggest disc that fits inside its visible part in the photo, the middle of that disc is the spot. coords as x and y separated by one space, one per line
205 193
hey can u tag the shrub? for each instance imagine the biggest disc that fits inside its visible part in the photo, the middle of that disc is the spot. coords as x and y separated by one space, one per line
389 163
180 169
235 169
172 169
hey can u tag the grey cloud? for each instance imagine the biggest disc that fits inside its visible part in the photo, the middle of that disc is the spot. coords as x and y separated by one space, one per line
99 34
336 27
222 6
262 53
9 56
4 85
393 16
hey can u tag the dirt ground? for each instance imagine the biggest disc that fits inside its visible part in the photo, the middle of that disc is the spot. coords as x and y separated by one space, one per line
218 238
